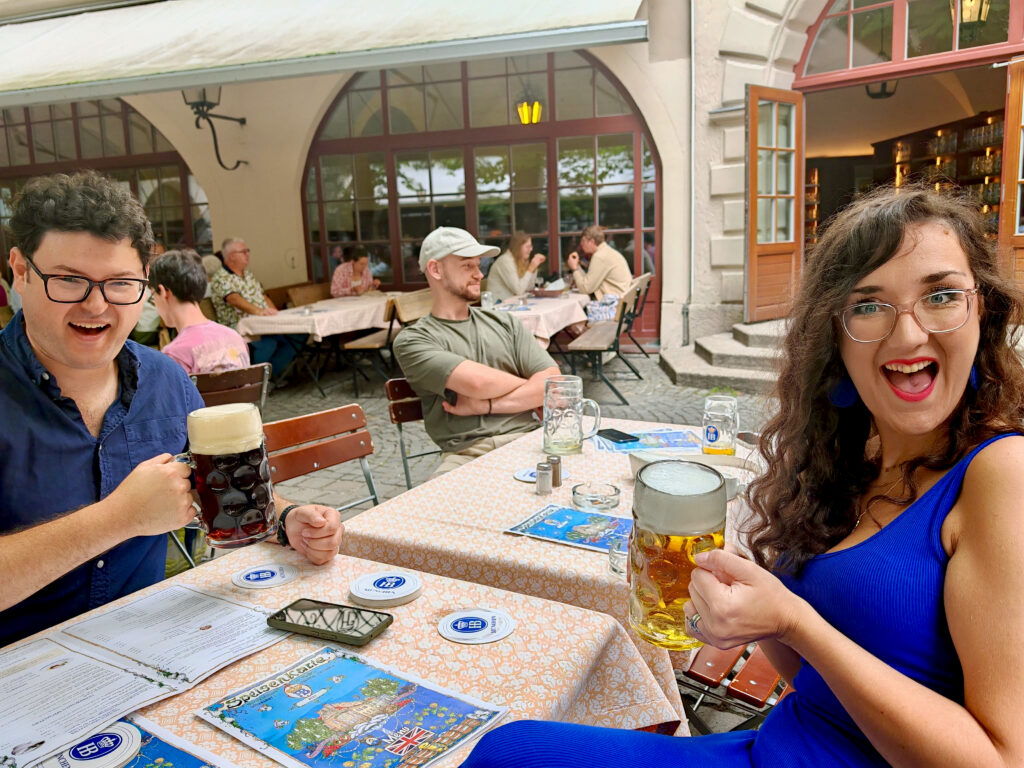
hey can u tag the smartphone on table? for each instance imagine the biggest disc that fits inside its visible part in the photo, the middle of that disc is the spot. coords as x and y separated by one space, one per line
617 436
330 621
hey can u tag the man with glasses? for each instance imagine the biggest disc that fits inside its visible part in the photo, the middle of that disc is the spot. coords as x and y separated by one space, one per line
88 487
236 292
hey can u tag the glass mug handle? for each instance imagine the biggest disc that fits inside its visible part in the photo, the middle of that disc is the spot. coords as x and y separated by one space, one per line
597 416
186 458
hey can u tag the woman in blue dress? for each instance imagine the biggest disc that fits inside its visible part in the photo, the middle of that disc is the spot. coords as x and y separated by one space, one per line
888 535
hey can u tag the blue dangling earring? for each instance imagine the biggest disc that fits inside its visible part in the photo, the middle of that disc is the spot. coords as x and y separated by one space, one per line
972 380
844 393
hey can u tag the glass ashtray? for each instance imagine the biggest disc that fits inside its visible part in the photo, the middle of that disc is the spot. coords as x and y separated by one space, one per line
595 496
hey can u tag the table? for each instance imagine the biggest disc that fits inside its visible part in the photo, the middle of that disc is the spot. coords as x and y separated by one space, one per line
452 525
561 663
544 317
320 319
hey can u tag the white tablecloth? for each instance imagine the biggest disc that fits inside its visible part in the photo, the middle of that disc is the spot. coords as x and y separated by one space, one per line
324 318
546 317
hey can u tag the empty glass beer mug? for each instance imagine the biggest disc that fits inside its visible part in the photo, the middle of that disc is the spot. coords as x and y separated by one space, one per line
721 423
487 300
227 453
563 415
678 512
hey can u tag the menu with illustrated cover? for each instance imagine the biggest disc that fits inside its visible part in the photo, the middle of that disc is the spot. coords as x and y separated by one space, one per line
587 529
336 708
68 684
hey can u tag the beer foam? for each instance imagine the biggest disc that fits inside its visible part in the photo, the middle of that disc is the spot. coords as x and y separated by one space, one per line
680 478
679 498
221 429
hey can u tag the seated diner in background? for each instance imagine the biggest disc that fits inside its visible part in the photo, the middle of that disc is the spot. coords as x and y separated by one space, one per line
91 420
513 273
479 372
236 292
352 277
178 282
607 272
886 584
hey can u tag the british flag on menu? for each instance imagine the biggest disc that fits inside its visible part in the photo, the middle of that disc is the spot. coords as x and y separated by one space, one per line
334 708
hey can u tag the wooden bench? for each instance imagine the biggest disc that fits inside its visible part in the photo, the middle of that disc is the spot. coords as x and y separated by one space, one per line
743 678
603 337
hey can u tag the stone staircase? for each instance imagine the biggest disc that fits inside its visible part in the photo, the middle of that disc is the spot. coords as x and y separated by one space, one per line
743 359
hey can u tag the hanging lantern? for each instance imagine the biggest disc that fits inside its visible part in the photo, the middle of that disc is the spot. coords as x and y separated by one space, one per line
529 112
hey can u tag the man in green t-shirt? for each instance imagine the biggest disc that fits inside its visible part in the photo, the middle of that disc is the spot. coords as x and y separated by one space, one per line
480 373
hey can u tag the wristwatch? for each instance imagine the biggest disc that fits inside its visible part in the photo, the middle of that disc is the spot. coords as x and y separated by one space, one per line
282 536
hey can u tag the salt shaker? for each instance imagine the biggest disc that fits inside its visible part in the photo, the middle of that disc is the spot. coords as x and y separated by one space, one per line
556 471
543 486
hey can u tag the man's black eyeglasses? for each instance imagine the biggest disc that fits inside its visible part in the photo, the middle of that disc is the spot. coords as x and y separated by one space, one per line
73 289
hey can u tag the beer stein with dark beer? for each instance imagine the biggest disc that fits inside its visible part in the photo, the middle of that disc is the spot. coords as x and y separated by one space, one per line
232 473
678 511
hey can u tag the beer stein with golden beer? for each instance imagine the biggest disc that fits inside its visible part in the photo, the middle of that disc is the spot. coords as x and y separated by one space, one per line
232 474
678 511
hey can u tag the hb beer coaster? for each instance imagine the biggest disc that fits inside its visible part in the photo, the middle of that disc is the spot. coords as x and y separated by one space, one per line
529 475
476 626
264 576
113 747
385 589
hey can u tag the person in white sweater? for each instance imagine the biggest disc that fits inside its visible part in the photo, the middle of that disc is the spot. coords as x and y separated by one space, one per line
514 271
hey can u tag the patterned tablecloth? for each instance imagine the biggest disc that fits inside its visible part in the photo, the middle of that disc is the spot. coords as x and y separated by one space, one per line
560 663
547 316
453 525
324 318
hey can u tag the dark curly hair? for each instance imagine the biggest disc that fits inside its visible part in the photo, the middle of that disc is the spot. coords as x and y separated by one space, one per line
816 453
182 272
82 202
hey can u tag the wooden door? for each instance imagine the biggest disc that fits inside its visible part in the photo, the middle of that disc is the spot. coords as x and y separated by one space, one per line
775 201
1011 210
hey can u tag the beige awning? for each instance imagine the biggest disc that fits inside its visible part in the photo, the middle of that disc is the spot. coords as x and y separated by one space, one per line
170 45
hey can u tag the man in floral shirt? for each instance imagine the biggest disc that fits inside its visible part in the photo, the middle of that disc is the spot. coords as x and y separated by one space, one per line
236 293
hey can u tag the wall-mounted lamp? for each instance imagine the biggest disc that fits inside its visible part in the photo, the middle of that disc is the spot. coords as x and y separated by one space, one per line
973 15
881 90
529 111
201 101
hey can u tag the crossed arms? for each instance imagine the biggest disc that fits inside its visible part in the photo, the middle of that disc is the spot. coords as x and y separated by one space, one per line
477 384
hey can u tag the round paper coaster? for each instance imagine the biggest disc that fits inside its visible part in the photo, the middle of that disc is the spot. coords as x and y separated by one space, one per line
113 747
385 589
529 475
476 626
265 576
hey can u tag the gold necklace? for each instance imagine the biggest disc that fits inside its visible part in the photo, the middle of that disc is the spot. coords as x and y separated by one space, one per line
867 505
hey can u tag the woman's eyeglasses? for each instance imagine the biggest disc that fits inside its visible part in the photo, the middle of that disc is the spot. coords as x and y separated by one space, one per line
938 312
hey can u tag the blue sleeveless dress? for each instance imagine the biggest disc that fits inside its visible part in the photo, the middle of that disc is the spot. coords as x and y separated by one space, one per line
885 594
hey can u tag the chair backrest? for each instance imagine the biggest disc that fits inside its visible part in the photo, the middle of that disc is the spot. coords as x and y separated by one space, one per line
627 303
206 305
241 385
641 285
6 314
301 295
404 404
315 441
279 294
412 305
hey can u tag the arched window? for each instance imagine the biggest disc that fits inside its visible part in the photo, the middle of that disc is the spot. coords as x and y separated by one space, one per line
857 41
111 137
546 143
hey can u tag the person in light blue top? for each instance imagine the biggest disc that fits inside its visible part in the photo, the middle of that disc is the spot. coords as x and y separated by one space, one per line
884 581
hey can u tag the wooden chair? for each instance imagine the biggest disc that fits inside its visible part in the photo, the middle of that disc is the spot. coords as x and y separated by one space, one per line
300 295
603 337
316 441
279 295
404 405
241 385
373 344
206 306
6 315
643 286
412 305
741 678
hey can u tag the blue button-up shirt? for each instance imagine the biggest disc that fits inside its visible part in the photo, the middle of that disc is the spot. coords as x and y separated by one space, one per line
50 464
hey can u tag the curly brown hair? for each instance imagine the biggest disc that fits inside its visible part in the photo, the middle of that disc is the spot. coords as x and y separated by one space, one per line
817 453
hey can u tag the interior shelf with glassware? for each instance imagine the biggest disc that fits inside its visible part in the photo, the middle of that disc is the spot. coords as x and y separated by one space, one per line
967 153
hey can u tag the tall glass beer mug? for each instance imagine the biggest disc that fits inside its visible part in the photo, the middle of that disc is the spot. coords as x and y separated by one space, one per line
721 423
232 474
563 415
678 511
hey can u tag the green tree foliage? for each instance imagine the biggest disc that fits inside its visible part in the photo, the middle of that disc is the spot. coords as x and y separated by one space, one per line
308 731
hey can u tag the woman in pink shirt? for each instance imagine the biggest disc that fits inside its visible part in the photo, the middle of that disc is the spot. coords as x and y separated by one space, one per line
352 277
178 282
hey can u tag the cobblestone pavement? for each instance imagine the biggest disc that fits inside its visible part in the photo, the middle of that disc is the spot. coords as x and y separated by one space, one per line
655 398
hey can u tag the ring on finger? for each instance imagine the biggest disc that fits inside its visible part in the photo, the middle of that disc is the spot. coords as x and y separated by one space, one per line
692 623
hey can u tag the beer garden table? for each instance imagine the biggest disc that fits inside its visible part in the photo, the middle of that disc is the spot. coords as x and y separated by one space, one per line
561 663
544 317
453 525
320 319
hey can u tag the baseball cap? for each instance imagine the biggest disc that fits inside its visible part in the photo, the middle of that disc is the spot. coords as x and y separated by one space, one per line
447 241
